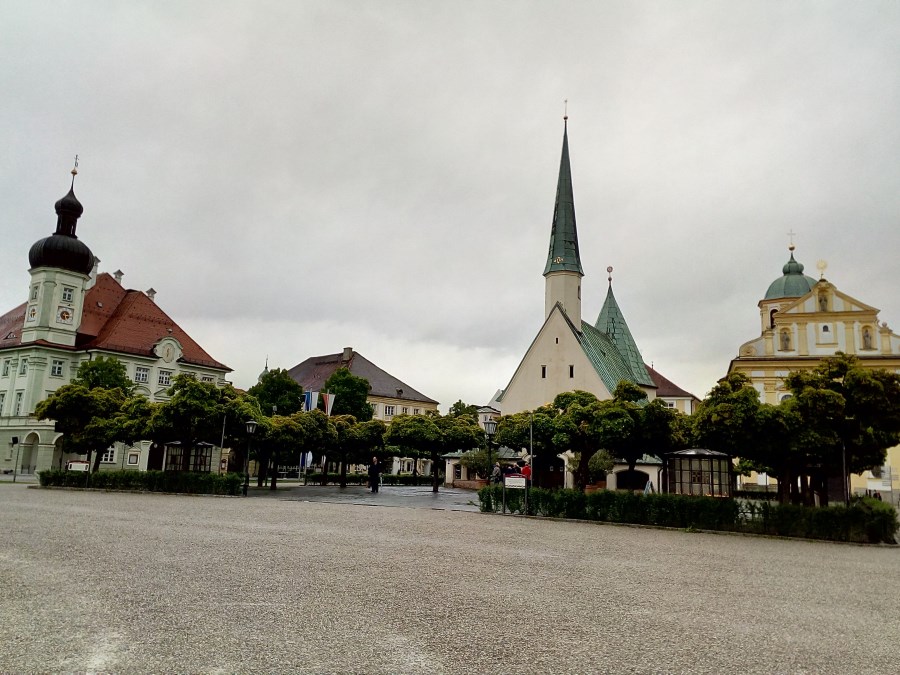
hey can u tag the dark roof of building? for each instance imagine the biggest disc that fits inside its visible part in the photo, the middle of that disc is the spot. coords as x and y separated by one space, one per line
665 387
117 320
563 255
312 374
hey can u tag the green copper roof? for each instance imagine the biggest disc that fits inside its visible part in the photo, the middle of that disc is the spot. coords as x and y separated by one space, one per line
606 359
563 255
612 322
793 283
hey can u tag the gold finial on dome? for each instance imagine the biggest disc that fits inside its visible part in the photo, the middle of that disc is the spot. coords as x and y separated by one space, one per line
821 265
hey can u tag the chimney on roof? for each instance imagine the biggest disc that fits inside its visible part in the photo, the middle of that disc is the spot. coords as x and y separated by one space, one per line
117 275
151 293
347 355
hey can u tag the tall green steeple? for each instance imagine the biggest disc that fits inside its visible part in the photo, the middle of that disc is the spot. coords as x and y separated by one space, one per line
563 255
612 322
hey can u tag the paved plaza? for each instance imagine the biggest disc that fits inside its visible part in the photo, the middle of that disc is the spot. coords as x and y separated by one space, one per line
325 581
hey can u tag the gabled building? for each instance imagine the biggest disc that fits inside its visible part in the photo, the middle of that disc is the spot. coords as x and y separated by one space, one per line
569 353
71 315
388 395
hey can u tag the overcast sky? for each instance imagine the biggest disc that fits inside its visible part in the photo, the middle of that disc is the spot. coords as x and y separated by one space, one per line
298 177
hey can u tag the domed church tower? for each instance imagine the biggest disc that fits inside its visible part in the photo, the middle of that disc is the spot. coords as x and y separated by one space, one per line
61 265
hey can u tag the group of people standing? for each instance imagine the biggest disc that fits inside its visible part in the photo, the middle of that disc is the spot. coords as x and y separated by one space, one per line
523 468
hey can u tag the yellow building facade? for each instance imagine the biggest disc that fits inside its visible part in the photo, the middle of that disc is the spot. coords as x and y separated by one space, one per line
805 320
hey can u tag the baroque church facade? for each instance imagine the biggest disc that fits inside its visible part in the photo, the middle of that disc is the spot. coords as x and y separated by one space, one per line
569 353
72 314
803 321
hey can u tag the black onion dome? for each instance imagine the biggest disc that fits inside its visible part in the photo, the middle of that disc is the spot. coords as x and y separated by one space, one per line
62 248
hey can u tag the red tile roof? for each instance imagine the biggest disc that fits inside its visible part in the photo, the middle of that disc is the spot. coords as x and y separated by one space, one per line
665 386
312 374
117 320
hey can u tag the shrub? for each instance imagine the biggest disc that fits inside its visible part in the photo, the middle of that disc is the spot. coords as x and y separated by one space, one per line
867 520
148 481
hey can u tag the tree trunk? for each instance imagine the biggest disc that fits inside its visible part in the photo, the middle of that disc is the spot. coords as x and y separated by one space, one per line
343 481
262 464
274 471
434 472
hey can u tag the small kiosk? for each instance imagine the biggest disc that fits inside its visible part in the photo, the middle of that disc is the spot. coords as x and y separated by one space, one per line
698 472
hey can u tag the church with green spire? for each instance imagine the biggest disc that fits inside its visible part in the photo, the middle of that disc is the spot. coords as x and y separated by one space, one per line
568 353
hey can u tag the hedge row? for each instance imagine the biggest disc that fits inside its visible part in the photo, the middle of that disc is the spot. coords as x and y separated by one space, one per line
147 481
363 479
866 520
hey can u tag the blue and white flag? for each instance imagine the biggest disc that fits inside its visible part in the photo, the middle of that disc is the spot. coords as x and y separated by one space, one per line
310 400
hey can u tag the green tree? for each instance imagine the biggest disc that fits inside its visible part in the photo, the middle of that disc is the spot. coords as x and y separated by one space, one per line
850 414
480 461
85 417
103 372
192 415
351 394
580 428
277 392
357 442
457 433
417 436
460 409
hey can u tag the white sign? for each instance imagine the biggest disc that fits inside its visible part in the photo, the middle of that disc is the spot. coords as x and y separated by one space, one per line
515 482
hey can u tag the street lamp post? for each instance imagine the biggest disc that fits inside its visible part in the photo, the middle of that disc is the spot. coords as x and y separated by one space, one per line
251 428
490 428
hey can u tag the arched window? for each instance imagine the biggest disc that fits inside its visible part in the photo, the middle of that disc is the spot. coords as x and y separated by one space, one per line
772 318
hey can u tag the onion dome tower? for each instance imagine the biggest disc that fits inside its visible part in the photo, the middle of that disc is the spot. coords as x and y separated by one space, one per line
61 265
793 283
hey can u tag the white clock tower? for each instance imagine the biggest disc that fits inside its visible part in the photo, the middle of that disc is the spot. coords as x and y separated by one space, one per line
60 270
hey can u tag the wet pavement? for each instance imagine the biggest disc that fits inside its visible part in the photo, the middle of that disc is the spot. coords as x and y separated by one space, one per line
418 497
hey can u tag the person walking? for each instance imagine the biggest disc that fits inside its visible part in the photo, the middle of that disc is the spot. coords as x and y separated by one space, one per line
374 474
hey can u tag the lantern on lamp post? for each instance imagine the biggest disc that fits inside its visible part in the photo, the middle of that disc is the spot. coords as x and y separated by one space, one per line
251 429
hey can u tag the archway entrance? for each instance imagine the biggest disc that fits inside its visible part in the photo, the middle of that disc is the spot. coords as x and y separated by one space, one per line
631 480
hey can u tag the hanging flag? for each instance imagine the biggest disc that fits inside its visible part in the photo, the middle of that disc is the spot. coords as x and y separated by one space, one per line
311 400
329 402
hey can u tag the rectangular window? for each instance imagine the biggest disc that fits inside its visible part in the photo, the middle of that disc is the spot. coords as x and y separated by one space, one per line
6 363
56 368
543 372
108 457
404 411
165 377
18 409
669 404
388 411
68 293
571 371
2 400
141 374
23 366
415 411
207 378
133 458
